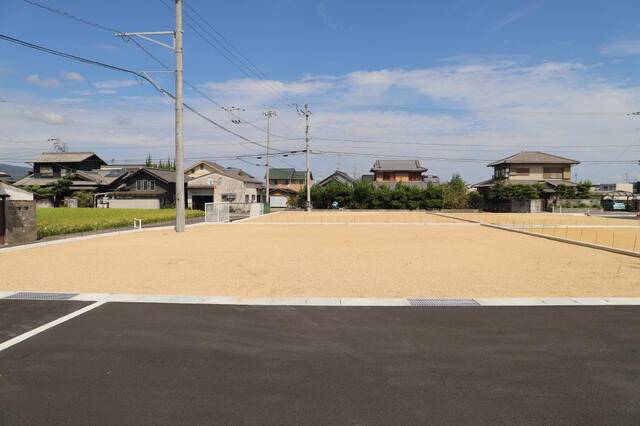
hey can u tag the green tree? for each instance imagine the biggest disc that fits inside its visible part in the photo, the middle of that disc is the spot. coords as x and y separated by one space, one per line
583 190
455 193
85 199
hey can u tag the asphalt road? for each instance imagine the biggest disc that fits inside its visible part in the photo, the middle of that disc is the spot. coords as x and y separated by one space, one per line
20 316
202 364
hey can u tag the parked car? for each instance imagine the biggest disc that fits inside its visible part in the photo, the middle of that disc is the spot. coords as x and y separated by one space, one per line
611 205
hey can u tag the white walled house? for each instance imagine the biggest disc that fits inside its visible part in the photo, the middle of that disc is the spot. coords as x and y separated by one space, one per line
211 182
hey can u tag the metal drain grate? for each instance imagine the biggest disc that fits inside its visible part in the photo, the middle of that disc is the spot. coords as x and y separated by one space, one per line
443 302
25 295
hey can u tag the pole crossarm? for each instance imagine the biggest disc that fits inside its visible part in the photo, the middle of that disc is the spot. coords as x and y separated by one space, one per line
146 36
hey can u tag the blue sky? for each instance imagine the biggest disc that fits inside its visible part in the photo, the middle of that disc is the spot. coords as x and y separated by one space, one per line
454 83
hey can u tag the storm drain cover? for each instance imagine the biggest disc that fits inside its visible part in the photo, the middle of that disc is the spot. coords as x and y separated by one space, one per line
443 302
25 295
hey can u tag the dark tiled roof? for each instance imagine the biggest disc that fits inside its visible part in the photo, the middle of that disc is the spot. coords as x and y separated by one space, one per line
533 157
288 173
397 166
551 182
65 157
337 175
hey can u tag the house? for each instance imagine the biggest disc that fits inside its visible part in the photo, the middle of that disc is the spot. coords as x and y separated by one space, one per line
210 182
17 215
339 177
392 172
6 177
279 197
82 167
530 168
144 188
288 178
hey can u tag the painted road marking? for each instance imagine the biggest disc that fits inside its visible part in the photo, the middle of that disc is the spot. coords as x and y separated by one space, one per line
38 330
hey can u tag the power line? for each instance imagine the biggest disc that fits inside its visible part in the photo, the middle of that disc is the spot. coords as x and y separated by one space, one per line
231 57
120 69
383 142
139 45
450 159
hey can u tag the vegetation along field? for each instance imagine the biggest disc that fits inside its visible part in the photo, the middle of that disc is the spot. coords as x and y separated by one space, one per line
56 221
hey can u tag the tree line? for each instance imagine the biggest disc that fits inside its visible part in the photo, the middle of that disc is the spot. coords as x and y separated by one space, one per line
366 195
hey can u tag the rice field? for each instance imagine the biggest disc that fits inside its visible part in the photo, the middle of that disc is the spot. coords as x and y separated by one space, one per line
58 221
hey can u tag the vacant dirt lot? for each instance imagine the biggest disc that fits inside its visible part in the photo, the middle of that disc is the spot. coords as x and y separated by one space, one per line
547 219
354 217
611 232
319 260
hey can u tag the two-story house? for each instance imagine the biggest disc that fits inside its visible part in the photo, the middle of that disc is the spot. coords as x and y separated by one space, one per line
143 188
530 168
288 178
82 167
392 172
211 182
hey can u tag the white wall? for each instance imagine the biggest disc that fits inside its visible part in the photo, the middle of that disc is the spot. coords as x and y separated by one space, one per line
135 203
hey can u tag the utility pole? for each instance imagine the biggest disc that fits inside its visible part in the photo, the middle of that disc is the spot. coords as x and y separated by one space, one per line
306 114
268 114
180 213
176 46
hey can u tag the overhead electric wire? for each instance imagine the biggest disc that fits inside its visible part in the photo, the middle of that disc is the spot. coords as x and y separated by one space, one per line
141 47
229 55
120 69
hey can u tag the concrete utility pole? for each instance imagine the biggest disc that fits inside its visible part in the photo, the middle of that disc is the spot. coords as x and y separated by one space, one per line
180 213
176 46
268 114
306 114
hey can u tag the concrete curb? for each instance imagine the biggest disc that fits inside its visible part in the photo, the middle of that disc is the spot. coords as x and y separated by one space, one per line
330 301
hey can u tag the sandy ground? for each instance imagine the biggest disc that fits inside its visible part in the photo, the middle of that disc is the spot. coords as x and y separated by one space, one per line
357 217
611 232
531 219
256 260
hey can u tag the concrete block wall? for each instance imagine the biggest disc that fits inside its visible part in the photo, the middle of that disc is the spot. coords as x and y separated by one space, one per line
20 221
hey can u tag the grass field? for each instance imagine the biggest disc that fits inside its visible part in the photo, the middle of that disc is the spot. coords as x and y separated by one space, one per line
391 259
57 221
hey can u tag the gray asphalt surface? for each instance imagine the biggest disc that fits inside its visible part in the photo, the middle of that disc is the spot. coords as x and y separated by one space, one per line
20 316
203 364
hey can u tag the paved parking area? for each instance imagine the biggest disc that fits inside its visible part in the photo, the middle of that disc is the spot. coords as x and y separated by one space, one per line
145 363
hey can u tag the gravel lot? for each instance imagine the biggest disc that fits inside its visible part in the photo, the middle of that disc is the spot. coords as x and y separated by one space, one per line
262 260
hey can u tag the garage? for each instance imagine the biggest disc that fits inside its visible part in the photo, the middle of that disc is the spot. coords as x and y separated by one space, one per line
198 201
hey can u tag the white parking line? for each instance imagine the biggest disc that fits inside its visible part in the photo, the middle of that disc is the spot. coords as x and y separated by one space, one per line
38 330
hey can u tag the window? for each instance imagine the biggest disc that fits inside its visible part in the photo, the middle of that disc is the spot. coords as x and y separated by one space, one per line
230 196
246 198
552 172
46 171
414 176
388 176
500 173
145 185
520 171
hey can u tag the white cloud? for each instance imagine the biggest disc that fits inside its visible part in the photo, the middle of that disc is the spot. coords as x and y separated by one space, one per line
621 47
46 117
47 83
480 109
73 76
256 91
115 84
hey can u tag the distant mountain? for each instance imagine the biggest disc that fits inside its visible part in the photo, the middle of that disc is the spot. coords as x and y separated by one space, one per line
16 172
